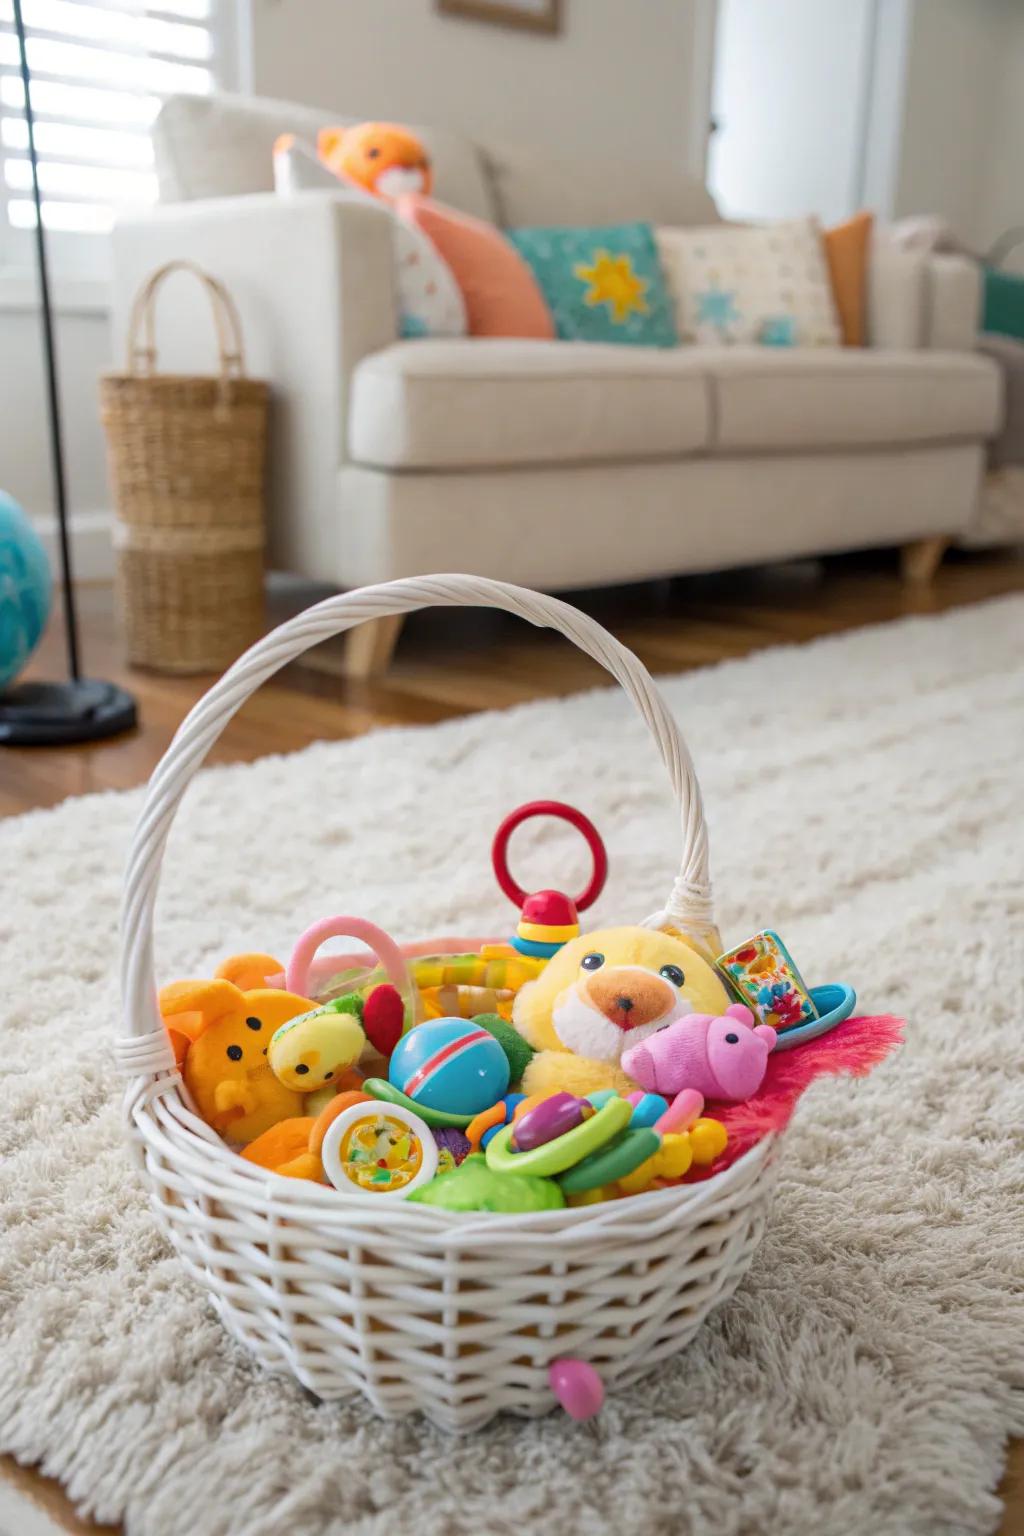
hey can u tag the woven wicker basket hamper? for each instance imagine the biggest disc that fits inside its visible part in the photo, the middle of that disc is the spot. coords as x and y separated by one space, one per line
420 1309
187 456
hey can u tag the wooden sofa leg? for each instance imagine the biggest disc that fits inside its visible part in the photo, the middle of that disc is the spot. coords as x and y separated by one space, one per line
369 647
919 561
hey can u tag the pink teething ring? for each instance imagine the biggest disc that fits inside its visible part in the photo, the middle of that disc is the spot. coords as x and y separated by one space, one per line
381 943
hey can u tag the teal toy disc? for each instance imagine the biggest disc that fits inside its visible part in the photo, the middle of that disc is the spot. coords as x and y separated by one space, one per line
834 1002
380 1088
612 1162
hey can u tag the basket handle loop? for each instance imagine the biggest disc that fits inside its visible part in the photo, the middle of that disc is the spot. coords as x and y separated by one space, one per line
144 1047
141 357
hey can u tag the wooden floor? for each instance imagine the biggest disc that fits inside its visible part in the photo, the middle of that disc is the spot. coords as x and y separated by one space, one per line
451 664
455 662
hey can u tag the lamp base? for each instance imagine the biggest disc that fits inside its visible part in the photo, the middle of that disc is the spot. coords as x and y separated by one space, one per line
58 714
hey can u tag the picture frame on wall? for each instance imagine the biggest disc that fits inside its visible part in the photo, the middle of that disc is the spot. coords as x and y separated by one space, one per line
530 15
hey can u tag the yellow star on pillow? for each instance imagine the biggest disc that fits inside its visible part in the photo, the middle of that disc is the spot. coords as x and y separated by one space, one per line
613 282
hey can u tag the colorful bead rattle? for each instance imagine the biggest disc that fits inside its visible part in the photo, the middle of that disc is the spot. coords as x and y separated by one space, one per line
548 919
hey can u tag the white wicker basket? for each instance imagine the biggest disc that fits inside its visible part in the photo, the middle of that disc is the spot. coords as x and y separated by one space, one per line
458 1317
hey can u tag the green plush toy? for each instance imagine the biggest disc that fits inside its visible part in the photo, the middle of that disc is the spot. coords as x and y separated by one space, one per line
511 1041
472 1186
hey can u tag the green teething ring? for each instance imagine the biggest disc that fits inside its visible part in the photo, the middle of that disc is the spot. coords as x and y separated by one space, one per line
612 1162
555 1156
380 1088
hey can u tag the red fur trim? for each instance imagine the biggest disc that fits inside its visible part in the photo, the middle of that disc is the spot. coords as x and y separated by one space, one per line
853 1048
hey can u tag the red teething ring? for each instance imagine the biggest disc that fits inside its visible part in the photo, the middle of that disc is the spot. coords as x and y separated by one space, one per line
575 818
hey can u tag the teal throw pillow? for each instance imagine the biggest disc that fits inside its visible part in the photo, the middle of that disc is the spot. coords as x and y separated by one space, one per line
603 284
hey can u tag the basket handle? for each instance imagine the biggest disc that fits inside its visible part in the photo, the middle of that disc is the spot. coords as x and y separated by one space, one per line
144 1047
141 359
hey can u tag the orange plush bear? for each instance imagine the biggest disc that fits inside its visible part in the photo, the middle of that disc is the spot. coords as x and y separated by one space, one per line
225 1033
385 158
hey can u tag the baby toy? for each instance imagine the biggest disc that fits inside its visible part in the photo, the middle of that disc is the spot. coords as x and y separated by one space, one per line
385 158
314 1048
453 1147
602 994
476 1186
564 1151
225 1068
284 1149
382 1018
610 1163
292 1147
448 1070
546 1121
763 973
377 1150
722 1058
548 919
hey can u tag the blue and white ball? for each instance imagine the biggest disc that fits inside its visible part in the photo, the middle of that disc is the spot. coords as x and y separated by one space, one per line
450 1065
24 589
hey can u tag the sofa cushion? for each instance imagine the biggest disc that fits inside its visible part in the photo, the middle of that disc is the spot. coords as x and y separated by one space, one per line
456 404
535 186
222 145
782 399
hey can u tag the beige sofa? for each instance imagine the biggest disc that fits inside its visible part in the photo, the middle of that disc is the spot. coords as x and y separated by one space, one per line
553 464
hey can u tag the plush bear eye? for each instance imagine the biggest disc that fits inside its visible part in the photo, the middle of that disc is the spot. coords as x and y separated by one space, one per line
673 974
372 154
302 1069
254 1023
234 1053
593 961
732 1039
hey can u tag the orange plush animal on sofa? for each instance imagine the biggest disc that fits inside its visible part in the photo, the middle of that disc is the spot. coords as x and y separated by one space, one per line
224 1034
385 158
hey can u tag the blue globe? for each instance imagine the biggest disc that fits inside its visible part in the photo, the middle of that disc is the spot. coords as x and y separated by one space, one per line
24 589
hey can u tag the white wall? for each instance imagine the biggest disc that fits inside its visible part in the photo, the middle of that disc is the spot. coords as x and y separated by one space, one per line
83 342
948 112
616 82
1001 198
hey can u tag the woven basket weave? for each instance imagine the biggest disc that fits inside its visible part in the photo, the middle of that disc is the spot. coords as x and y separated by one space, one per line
187 456
420 1309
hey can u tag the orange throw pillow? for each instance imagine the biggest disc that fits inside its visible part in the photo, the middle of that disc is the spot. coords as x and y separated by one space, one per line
846 250
501 293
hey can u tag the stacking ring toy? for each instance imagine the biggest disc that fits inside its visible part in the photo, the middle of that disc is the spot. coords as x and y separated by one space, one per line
611 1162
555 1156
377 1150
548 919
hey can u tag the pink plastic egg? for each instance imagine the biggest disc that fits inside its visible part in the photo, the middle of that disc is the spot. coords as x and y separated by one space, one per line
577 1386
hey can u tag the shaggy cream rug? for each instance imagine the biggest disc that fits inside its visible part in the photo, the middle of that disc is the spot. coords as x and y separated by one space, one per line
865 798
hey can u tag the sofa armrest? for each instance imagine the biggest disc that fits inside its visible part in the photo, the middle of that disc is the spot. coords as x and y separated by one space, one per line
953 303
312 276
918 300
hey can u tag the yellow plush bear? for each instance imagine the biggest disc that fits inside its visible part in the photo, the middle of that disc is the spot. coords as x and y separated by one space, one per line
603 993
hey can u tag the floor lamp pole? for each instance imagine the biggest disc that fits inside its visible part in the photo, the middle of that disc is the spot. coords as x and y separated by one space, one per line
50 714
53 399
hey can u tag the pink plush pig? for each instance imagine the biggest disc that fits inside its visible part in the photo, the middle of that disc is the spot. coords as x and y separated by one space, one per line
723 1058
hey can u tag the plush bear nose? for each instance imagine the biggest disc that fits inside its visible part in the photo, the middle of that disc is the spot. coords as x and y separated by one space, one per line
628 996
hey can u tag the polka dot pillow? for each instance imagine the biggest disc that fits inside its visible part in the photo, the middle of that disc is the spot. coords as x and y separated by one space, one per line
766 284
430 301
601 284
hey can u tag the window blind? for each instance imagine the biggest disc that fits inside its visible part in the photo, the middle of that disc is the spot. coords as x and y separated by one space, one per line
100 69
